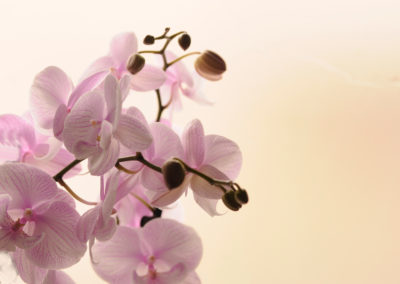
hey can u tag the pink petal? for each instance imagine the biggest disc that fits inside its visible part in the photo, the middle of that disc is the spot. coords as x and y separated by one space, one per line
27 186
223 154
122 46
136 113
87 223
152 180
193 143
101 65
148 79
82 125
57 277
59 119
116 259
105 134
173 242
125 85
168 197
102 162
175 275
192 278
181 72
50 89
113 98
27 270
16 131
133 134
60 247
203 188
208 205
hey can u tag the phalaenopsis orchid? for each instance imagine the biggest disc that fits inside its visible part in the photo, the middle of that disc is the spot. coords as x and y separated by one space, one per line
144 167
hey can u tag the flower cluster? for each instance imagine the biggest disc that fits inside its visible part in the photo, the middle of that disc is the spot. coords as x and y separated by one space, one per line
144 168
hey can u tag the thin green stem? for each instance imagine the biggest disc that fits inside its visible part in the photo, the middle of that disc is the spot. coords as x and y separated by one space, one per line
152 209
181 57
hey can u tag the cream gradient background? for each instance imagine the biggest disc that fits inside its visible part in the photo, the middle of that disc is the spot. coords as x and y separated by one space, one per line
312 96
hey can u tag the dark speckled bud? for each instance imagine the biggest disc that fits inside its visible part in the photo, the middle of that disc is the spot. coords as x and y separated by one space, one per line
184 41
135 63
229 200
174 173
210 65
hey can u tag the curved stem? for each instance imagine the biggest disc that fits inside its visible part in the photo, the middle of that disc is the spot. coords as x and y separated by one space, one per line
143 201
181 57
73 194
60 174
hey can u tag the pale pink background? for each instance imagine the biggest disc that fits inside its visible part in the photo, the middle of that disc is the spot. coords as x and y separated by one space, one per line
311 96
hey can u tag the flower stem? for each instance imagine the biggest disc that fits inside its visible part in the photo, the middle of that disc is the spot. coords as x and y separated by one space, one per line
60 174
73 194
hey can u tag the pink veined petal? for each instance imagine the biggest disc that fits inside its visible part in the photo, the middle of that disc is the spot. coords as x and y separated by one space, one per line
113 98
152 180
24 241
87 223
204 189
136 113
193 143
173 242
148 79
191 278
208 205
125 85
27 270
5 219
60 247
26 185
105 135
175 275
82 125
196 92
100 65
133 134
168 197
223 154
107 230
57 277
16 131
58 123
122 46
47 151
181 72
50 89
102 162
116 259
166 143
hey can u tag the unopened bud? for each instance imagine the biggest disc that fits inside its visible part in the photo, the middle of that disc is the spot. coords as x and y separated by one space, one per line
149 39
210 65
241 196
184 41
229 200
135 63
174 173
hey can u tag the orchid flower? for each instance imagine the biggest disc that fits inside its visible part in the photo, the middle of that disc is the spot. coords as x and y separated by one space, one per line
95 127
38 217
20 142
213 155
163 251
121 48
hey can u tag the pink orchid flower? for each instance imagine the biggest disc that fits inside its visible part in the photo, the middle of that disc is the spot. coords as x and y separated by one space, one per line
95 127
213 155
53 95
121 48
181 82
37 217
163 251
20 142
32 274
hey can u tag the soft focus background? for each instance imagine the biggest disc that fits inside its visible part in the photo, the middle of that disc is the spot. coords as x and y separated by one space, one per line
312 96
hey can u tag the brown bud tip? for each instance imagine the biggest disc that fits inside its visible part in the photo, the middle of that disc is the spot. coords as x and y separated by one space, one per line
184 41
135 63
210 65
241 196
229 200
174 173
149 39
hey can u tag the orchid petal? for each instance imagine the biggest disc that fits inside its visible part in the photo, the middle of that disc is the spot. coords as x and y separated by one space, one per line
148 79
203 188
223 154
113 99
57 277
87 223
59 119
16 131
60 247
122 46
27 270
133 134
170 196
192 278
193 143
175 275
173 242
101 162
208 205
100 66
50 89
116 259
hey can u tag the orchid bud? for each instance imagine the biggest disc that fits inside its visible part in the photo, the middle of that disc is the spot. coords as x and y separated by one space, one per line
229 200
174 173
149 39
184 41
210 65
241 196
135 63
